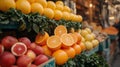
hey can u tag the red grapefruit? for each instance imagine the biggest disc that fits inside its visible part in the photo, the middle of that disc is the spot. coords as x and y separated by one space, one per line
19 49
1 49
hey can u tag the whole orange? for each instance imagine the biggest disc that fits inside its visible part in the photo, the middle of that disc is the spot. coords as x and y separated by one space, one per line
57 14
6 4
70 52
60 56
24 6
48 12
77 48
37 7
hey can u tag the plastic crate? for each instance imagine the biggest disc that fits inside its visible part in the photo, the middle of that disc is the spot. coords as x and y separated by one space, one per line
49 63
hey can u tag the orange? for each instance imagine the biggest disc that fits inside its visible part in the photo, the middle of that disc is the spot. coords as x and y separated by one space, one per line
59 30
67 40
24 6
57 14
42 2
82 45
59 3
74 37
66 9
47 51
6 4
77 49
54 43
41 39
60 56
37 7
31 1
59 7
72 17
80 18
51 4
66 16
79 37
70 52
48 12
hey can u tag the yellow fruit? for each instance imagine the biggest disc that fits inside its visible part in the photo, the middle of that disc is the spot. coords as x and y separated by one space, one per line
84 33
80 18
48 13
88 45
31 1
6 4
37 7
66 9
83 39
24 6
72 17
60 3
57 14
65 16
88 30
95 43
51 4
92 34
60 56
59 7
42 2
88 37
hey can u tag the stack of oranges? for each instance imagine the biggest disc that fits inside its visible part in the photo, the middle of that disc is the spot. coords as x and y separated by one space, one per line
62 45
53 10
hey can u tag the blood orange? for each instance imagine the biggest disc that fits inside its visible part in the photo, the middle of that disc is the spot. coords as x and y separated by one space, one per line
19 49
1 49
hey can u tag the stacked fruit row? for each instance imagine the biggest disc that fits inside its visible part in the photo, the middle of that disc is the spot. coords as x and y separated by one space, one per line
20 53
53 10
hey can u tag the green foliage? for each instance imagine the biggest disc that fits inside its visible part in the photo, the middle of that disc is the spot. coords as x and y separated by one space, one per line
34 21
82 60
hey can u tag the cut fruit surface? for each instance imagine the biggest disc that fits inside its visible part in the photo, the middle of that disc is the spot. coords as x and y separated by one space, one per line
19 49
54 42
59 30
67 40
41 39
74 37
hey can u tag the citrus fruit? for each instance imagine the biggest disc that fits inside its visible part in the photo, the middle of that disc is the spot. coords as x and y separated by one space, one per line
59 3
84 33
48 12
59 30
79 37
41 38
66 16
8 41
7 59
6 4
95 43
57 14
66 9
24 6
31 1
88 37
80 18
42 2
19 49
1 49
82 45
60 56
70 52
88 45
51 4
54 43
77 49
37 7
59 7
74 37
40 59
88 30
67 40
46 50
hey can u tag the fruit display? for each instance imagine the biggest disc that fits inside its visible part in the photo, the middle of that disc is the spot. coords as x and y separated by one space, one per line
57 32
17 53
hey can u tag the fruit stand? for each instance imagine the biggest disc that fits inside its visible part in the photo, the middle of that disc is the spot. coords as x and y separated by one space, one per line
31 37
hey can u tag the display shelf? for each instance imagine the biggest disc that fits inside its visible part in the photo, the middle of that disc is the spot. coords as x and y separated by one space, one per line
49 63
9 26
113 37
102 45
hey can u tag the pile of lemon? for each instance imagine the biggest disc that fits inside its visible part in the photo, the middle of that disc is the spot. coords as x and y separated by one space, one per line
53 10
